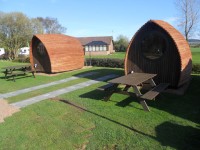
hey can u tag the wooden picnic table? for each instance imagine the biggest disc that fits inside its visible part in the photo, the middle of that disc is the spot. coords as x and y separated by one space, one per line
13 71
136 81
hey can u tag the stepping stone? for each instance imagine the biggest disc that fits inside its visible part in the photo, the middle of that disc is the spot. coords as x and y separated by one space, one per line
18 92
49 95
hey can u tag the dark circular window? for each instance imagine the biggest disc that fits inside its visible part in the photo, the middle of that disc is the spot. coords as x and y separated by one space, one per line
153 45
41 49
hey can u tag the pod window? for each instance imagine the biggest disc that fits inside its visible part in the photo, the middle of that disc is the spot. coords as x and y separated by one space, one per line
153 45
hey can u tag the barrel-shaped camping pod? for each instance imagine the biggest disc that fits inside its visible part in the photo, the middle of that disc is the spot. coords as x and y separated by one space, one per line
157 47
51 53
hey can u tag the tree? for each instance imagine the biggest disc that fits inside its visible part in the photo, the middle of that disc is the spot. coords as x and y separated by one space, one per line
36 26
15 32
51 25
189 16
121 43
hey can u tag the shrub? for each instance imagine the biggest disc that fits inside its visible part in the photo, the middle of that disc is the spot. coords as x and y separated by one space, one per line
4 57
119 63
196 68
22 58
106 62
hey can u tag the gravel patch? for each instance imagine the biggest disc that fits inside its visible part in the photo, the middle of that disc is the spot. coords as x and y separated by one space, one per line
6 110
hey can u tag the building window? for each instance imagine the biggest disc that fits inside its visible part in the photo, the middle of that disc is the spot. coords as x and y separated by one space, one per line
97 48
86 48
90 48
101 47
93 48
104 48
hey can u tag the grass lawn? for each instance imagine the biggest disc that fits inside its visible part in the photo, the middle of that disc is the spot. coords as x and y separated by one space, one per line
119 55
195 55
80 119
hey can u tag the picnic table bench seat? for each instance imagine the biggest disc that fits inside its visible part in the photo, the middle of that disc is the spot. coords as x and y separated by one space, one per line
135 80
150 95
106 87
13 71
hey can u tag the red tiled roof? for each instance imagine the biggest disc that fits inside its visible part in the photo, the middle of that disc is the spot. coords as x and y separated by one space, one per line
86 40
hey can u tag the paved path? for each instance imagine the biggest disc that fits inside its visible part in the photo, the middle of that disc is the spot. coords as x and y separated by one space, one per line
36 99
18 92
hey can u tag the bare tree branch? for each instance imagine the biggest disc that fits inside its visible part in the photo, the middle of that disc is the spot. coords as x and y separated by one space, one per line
189 16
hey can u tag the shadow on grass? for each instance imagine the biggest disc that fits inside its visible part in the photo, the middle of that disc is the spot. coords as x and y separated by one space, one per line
178 136
168 134
101 72
16 77
186 106
99 95
101 116
95 95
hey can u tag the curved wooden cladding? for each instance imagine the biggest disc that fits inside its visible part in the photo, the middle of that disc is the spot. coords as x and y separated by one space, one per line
173 67
56 53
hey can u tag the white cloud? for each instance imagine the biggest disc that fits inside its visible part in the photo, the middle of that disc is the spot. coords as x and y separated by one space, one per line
172 20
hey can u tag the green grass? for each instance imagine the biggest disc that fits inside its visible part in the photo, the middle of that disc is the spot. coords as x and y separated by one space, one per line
119 55
195 55
81 118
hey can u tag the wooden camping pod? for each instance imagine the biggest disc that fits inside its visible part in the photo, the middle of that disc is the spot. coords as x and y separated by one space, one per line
53 53
159 48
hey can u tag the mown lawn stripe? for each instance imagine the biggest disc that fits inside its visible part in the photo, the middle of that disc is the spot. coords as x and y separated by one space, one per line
18 92
55 93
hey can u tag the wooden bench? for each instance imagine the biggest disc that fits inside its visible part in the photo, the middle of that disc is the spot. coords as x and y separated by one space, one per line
107 87
13 71
150 95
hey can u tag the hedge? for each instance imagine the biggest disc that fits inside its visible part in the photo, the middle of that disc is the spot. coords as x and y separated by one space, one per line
119 63
196 68
105 62
22 58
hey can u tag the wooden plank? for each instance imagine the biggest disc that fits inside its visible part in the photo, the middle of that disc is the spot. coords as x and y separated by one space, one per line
13 74
155 91
106 87
133 79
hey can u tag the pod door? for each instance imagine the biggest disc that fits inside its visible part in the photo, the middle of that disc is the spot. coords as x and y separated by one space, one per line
41 57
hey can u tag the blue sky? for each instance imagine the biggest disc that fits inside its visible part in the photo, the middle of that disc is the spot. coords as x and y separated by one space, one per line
97 17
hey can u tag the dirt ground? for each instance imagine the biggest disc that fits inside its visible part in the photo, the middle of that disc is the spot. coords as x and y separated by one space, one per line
6 110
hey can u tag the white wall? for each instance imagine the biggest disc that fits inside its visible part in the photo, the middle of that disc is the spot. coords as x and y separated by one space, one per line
2 51
24 51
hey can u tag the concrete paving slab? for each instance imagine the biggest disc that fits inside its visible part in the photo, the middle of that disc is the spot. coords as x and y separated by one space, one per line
18 92
39 98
